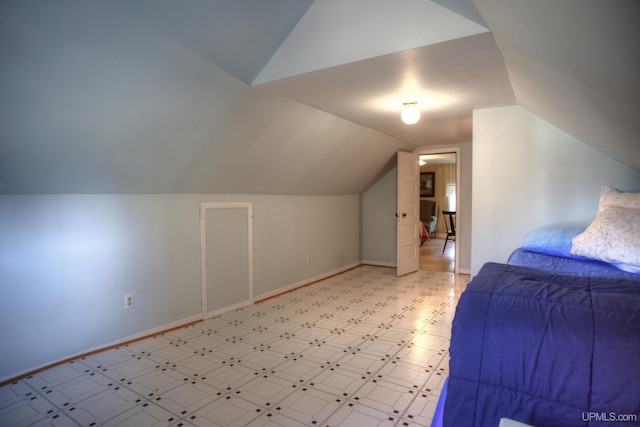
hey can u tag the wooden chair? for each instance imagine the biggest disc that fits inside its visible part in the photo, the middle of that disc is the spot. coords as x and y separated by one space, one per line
450 223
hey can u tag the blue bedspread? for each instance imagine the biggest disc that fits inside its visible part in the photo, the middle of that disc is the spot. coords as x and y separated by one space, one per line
544 349
572 266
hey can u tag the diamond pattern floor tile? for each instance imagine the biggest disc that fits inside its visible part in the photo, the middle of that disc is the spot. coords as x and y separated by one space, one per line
363 348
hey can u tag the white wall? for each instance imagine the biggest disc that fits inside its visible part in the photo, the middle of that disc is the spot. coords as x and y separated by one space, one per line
528 173
464 225
67 261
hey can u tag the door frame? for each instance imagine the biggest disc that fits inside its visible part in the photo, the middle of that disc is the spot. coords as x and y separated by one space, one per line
456 150
203 253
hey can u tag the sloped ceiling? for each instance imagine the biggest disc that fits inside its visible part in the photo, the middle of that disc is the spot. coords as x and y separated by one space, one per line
575 64
158 96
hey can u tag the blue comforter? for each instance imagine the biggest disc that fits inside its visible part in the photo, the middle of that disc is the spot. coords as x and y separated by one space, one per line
571 266
545 349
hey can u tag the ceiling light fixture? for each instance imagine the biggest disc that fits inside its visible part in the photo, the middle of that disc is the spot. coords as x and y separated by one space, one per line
410 113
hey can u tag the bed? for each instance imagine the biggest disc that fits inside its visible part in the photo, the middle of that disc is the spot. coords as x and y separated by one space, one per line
552 337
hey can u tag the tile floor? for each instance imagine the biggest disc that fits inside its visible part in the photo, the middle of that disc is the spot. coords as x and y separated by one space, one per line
364 348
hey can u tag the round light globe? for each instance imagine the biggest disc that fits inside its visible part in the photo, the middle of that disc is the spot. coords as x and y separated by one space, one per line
410 115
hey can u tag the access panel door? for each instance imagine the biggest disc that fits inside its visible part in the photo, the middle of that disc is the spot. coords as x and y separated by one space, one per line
227 261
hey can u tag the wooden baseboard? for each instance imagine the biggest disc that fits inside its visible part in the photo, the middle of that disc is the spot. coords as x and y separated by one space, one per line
296 286
380 264
190 321
125 341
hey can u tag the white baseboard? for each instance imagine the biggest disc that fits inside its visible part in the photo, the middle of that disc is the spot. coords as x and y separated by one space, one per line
305 282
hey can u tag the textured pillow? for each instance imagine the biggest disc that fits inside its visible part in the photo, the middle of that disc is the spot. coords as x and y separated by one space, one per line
552 240
613 237
613 197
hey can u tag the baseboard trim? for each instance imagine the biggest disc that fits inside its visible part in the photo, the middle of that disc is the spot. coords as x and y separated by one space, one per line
192 320
286 289
107 346
380 264
228 309
171 326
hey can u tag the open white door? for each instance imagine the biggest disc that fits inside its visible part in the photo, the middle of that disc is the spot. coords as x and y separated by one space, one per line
408 214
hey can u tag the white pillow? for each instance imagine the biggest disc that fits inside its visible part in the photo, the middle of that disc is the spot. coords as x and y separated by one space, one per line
613 237
613 197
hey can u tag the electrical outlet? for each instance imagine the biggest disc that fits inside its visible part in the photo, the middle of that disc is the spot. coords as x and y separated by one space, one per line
128 301
308 260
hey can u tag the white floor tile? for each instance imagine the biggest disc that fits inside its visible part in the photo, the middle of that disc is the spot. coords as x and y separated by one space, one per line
263 359
25 412
338 382
230 376
55 420
198 365
71 392
386 396
361 363
100 408
155 383
270 419
49 378
404 374
186 399
229 411
13 393
109 357
309 406
144 415
149 345
298 370
130 368
265 390
364 348
421 410
357 415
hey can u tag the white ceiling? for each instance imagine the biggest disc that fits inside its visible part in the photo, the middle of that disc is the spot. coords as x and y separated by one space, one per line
328 35
448 79
574 63
285 96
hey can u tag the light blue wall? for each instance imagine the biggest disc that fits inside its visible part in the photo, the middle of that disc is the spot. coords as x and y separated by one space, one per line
66 263
528 173
379 221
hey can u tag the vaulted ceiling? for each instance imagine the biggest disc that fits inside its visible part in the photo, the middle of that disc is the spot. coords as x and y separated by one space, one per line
293 96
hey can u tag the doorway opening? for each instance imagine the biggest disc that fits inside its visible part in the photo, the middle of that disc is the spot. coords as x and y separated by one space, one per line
439 181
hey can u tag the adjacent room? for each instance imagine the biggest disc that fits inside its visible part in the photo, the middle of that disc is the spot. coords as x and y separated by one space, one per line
239 212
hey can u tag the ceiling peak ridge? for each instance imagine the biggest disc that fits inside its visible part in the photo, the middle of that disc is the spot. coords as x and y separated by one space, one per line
311 45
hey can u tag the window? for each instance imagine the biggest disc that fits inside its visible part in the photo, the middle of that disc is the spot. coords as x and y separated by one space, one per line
450 194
